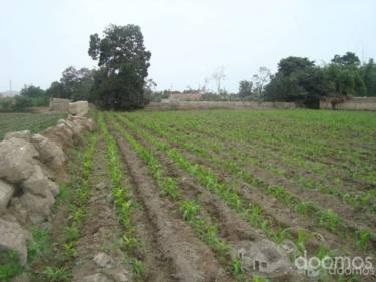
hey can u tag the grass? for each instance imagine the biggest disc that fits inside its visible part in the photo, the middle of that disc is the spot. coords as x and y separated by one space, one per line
9 265
35 122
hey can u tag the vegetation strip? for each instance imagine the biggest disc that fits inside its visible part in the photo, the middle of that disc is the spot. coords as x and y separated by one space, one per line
122 199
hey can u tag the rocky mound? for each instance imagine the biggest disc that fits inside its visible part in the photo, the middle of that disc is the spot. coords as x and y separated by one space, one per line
29 164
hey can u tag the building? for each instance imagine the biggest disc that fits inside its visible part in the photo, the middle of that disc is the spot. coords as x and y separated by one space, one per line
190 95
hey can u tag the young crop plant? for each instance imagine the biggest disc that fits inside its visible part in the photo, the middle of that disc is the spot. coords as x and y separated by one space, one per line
123 201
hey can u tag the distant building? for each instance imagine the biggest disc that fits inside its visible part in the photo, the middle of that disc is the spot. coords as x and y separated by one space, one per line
191 95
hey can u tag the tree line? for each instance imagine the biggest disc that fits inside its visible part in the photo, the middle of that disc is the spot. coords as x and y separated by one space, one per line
120 79
300 79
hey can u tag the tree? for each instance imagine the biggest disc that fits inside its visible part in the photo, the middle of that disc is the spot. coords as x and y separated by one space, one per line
123 62
345 75
245 88
76 83
349 60
55 90
297 79
368 73
261 79
38 97
32 91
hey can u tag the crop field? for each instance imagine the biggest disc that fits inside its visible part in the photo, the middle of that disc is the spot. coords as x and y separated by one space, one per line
35 122
189 189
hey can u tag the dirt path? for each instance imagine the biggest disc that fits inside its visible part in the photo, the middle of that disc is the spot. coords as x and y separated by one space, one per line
191 259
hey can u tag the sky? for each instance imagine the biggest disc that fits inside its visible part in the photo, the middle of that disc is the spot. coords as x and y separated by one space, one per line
188 40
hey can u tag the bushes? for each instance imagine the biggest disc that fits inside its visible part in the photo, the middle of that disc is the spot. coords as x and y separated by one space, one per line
22 103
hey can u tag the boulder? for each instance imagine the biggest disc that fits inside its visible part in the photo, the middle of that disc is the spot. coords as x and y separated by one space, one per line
49 152
39 185
13 238
17 159
61 134
23 134
17 211
79 108
38 207
6 193
103 260
262 256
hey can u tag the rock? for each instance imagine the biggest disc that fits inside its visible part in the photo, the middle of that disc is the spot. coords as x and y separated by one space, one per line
38 207
18 210
101 186
119 274
98 277
13 238
23 134
262 256
39 185
6 193
21 278
79 108
49 152
103 260
61 134
17 159
60 121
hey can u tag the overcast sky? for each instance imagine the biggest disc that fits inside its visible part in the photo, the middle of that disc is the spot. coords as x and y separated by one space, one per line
188 39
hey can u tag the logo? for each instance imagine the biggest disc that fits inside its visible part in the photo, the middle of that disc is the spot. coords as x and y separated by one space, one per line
338 265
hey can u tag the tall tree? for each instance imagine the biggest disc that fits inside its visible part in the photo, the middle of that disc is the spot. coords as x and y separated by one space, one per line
297 79
368 72
261 79
32 91
124 62
245 88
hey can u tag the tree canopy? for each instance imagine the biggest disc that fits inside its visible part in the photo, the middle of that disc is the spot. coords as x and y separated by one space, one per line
299 79
123 67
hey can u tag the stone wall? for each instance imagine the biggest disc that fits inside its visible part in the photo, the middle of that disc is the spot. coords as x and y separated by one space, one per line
29 164
351 103
188 105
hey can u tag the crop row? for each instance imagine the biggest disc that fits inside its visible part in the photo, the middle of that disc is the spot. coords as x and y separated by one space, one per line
325 218
122 199
293 168
189 209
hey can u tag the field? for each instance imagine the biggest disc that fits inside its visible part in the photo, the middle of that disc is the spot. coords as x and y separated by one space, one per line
190 188
35 122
